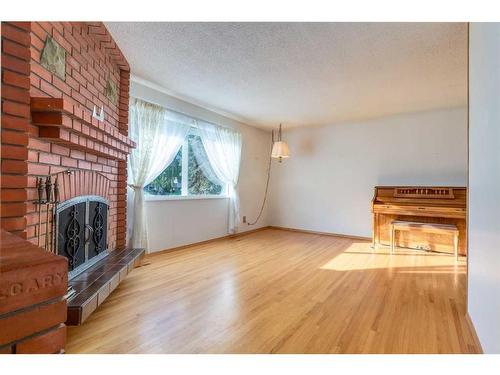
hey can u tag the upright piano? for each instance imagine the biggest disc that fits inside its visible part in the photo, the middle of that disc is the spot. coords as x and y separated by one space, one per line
426 204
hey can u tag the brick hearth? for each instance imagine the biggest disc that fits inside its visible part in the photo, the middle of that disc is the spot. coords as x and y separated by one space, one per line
33 283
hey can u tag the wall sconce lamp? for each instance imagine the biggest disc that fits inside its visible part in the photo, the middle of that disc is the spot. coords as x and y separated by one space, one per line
280 148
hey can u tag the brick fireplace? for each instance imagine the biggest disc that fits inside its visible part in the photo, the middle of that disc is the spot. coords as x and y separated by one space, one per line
69 122
64 134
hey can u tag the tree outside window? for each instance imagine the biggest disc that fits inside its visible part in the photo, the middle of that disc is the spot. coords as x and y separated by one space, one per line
189 173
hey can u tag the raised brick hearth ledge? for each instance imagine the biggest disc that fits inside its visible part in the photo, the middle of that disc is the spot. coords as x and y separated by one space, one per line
33 283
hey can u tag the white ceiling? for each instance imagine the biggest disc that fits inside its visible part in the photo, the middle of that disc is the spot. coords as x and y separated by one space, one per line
302 73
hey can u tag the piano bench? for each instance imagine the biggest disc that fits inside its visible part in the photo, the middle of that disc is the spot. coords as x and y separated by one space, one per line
424 227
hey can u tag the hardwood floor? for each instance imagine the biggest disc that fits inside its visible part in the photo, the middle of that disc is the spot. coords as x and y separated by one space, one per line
277 291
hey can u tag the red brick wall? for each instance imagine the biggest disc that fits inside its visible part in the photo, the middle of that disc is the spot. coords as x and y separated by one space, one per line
91 58
15 122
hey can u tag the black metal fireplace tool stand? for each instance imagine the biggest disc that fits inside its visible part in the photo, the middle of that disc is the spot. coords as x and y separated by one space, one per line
48 196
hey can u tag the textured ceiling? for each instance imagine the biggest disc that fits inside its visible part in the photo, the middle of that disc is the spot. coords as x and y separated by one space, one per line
302 73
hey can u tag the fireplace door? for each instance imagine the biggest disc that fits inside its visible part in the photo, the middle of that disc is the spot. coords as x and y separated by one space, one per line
82 226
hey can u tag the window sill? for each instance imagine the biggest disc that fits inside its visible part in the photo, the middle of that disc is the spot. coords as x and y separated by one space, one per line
149 197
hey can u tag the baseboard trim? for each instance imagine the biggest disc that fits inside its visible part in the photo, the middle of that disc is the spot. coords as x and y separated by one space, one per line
228 236
321 233
236 235
474 333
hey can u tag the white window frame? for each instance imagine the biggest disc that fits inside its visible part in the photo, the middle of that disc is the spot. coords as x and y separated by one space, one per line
151 197
184 183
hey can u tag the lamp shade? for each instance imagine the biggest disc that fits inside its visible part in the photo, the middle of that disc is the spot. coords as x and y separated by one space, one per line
280 150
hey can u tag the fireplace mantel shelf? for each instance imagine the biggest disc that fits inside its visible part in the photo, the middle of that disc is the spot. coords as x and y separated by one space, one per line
61 122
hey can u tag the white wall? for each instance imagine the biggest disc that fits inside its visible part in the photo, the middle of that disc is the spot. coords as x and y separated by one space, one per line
327 184
484 184
182 222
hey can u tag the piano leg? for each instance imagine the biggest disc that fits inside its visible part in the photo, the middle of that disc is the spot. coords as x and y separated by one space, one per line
455 244
374 231
392 238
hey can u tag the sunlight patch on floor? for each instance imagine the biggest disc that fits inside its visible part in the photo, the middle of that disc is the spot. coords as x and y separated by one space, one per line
361 256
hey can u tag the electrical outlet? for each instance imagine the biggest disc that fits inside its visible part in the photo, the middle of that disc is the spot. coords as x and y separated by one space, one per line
244 219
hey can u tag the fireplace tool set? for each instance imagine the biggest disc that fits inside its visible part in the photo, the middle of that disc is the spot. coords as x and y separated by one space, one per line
48 196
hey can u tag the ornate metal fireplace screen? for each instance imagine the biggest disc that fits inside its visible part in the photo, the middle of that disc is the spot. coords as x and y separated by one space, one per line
82 224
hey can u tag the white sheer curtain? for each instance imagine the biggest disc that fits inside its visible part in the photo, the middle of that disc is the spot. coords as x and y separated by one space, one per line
201 158
223 148
159 134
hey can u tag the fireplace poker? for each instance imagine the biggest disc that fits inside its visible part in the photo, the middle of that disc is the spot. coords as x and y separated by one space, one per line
40 188
48 197
54 211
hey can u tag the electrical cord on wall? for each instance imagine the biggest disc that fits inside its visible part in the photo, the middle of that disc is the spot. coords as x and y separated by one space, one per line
265 193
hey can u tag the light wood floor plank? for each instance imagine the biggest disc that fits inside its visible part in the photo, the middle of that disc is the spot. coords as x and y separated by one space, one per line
278 291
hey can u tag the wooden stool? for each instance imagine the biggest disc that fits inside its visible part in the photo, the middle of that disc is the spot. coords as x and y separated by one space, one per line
424 227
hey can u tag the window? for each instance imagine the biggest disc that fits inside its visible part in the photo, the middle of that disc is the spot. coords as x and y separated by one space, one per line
169 182
189 174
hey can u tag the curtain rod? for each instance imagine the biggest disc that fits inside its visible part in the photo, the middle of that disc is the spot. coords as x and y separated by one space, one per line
184 114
